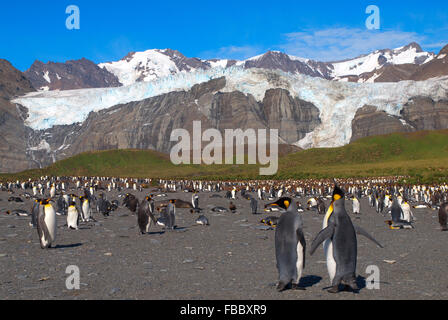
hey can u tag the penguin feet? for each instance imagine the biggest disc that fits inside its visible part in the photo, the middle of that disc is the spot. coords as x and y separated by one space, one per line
334 289
282 286
295 286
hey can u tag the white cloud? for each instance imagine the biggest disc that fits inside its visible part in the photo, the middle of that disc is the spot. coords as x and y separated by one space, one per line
342 43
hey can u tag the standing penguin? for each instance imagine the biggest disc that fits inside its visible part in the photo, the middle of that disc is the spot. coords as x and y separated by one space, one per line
356 205
145 216
341 247
253 205
72 216
195 200
290 245
46 224
35 213
396 211
52 191
407 214
171 212
85 209
443 216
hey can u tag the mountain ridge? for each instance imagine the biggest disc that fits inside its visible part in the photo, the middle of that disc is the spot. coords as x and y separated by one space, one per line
154 64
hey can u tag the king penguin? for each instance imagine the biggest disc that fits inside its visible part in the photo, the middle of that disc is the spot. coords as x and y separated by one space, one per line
145 216
340 244
72 216
290 246
195 200
35 213
46 224
443 214
86 210
171 211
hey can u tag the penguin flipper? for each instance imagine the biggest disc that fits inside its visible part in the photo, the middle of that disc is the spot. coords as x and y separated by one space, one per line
43 227
151 216
364 233
302 241
321 237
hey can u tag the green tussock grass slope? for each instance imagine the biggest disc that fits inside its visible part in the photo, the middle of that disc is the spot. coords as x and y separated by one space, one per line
421 155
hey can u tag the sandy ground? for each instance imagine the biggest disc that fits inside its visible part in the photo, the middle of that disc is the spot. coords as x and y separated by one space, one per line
229 260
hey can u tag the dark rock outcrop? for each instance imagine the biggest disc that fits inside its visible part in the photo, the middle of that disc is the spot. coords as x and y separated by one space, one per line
13 132
73 74
423 113
293 117
278 60
369 121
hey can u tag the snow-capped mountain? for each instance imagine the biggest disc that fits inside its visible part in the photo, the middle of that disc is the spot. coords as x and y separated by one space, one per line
156 64
369 67
166 90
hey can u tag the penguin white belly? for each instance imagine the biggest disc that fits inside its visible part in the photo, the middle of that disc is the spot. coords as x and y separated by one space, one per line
50 222
72 218
331 263
328 251
299 264
86 210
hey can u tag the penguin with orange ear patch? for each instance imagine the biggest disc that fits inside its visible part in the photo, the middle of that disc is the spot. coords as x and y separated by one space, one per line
289 245
340 244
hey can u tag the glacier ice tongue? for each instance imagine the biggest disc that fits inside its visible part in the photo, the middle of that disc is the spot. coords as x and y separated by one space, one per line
336 101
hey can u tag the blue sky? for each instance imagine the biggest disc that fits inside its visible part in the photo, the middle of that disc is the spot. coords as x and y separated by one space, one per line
323 30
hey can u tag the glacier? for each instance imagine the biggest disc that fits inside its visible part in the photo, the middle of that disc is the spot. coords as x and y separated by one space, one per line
336 101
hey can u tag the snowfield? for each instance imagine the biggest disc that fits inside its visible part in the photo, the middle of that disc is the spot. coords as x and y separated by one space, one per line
337 101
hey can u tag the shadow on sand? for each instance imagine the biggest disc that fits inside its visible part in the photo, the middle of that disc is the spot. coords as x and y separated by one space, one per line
66 246
309 281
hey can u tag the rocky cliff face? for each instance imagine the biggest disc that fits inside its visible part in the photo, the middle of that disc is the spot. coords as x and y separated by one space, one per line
75 74
148 124
13 133
369 121
426 114
420 113
293 117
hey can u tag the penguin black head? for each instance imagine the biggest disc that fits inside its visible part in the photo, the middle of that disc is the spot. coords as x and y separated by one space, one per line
173 201
338 193
283 203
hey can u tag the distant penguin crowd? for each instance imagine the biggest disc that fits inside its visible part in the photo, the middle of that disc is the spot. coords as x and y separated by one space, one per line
81 199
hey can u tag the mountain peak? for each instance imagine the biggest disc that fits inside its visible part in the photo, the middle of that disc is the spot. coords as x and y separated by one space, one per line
413 45
444 50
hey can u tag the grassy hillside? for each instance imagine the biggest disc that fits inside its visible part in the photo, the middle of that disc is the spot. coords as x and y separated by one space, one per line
421 155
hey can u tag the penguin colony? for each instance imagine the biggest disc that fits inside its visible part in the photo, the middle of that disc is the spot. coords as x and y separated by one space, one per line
80 199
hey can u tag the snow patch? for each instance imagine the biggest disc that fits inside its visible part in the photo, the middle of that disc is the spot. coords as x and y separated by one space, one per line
43 145
47 76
